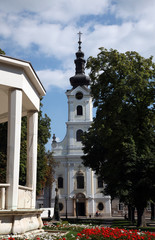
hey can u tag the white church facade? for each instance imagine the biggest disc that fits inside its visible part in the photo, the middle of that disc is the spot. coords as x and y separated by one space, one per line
80 190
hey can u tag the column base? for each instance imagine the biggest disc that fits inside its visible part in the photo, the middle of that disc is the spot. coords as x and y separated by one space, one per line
20 221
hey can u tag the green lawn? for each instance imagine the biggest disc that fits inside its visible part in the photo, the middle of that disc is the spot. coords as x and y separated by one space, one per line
128 225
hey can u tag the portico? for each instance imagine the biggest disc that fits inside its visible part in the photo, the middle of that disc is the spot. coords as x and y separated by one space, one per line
20 93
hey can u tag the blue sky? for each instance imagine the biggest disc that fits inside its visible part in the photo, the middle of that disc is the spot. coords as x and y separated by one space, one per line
45 33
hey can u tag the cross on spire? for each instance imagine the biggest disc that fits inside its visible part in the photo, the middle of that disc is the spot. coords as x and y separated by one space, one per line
79 33
79 42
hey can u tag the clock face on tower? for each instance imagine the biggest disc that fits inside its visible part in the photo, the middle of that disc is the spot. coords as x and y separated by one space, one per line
79 95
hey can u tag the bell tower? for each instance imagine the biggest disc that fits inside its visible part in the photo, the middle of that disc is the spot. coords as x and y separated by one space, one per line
77 185
79 107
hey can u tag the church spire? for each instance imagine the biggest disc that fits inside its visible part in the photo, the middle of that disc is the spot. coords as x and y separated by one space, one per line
80 78
79 42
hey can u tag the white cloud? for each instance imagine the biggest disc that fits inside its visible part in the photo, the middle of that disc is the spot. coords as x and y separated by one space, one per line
128 36
134 9
55 39
56 78
61 10
52 27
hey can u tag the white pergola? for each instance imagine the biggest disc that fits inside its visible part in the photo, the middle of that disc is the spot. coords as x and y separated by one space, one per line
20 93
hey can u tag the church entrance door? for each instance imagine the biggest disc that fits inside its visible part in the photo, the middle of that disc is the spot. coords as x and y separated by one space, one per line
80 205
80 208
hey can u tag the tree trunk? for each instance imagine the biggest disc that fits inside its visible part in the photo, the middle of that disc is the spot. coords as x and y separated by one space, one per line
50 196
152 211
141 217
131 214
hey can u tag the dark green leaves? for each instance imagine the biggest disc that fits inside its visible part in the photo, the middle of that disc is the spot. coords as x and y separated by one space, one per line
120 143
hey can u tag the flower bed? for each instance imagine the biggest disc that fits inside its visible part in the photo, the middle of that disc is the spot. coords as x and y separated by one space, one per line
84 232
66 231
114 233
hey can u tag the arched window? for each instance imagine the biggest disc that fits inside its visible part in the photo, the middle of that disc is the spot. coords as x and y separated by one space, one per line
60 182
100 206
120 206
80 182
79 110
79 134
100 182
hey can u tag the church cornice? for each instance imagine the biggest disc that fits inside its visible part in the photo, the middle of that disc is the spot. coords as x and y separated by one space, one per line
79 123
84 89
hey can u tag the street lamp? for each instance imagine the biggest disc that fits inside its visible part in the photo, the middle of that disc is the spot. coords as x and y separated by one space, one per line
66 206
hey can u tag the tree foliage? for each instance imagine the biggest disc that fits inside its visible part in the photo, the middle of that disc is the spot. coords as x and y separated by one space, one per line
42 166
2 52
120 144
3 151
43 136
52 164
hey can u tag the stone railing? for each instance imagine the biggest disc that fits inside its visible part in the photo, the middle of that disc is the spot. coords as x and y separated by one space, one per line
24 197
3 187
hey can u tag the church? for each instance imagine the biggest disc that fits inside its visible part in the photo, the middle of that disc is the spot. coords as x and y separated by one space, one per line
79 188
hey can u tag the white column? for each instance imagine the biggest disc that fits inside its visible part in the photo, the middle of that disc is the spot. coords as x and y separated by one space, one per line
66 183
54 185
68 110
108 206
13 147
70 139
71 111
93 188
87 112
89 182
32 135
71 179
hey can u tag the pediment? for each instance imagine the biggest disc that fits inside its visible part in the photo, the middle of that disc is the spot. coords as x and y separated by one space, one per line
84 89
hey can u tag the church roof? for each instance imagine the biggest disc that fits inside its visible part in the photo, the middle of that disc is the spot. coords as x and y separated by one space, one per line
79 79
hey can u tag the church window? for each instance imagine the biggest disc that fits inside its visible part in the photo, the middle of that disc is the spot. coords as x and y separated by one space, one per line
60 182
79 134
40 205
100 206
79 110
120 206
100 182
79 95
80 182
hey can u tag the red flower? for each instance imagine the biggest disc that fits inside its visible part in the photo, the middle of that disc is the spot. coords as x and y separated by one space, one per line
105 233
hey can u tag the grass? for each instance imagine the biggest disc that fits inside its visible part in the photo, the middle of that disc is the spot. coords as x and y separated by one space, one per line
73 229
71 234
128 225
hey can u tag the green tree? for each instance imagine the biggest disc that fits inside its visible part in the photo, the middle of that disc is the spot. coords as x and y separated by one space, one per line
2 52
3 151
43 136
42 166
51 165
120 144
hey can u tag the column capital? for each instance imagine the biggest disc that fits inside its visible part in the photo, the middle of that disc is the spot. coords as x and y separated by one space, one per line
29 113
